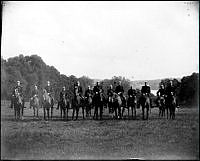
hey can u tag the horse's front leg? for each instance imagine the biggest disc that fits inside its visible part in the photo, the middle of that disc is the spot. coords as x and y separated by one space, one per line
101 111
33 111
135 111
73 112
123 110
167 111
132 111
48 114
44 113
77 112
143 112
83 111
67 112
64 110
51 112
147 108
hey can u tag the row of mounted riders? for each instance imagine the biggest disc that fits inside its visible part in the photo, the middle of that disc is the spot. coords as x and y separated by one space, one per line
116 105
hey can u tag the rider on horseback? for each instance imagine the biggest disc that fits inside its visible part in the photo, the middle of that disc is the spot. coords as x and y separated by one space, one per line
170 92
19 88
63 94
49 89
35 92
160 93
110 99
110 93
120 91
88 92
131 92
146 90
77 90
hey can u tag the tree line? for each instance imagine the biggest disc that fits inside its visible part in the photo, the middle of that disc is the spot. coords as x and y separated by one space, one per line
32 70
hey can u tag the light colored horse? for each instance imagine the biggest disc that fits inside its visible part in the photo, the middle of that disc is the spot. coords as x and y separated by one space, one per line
117 104
46 103
88 105
161 105
34 102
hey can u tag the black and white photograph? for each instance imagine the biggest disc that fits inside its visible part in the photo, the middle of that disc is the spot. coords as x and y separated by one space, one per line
100 80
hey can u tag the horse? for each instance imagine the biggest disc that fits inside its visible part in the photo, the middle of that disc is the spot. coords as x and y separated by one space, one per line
77 103
64 104
144 101
171 106
98 102
161 105
34 102
110 104
88 105
117 104
47 103
18 105
131 102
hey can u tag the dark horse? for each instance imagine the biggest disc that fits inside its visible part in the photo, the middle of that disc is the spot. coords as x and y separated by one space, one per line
64 105
18 105
77 103
98 102
131 102
144 101
170 104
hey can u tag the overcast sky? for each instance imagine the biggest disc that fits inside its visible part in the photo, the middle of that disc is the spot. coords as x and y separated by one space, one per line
138 40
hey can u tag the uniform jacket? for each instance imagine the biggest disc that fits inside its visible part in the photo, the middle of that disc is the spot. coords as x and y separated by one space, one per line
131 92
35 92
146 89
161 92
119 88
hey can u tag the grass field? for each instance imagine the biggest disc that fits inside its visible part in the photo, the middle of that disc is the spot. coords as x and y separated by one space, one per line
156 138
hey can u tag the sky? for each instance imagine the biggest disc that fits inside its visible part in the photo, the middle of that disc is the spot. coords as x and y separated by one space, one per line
135 39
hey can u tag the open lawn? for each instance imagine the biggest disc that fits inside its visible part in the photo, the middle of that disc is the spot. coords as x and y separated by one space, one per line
156 138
